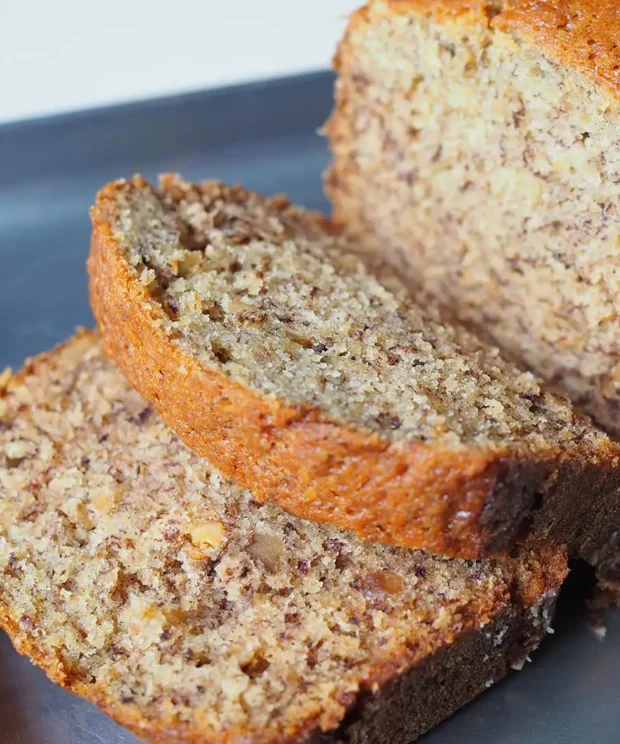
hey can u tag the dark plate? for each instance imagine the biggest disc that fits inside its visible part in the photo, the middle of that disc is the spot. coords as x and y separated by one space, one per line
264 136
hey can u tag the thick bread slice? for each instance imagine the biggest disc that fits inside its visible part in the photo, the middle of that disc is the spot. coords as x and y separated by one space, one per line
141 580
479 143
264 343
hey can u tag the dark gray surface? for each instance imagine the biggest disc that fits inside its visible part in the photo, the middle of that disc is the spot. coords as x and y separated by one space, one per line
264 136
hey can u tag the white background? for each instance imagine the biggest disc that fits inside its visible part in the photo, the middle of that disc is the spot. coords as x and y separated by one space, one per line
62 55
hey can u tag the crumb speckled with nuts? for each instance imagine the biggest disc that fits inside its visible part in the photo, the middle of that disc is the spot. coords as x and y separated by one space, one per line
258 290
177 594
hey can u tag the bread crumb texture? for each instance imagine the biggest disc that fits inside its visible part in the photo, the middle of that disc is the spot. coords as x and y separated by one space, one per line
139 578
478 143
261 292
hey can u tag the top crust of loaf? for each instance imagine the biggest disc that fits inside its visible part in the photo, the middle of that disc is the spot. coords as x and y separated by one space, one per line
581 34
143 581
467 500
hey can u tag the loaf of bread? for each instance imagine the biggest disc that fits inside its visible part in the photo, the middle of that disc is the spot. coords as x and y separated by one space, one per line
268 347
479 144
140 579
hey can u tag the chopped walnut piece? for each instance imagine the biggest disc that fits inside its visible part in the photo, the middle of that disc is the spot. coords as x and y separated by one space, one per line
385 581
208 535
268 549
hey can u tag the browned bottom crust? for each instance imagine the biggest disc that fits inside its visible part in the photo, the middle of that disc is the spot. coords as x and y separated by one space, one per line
400 711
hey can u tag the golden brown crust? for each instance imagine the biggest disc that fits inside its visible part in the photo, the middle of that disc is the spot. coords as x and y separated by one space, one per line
309 465
581 34
458 503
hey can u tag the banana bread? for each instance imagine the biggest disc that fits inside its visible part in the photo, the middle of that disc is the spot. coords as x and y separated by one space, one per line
478 143
140 579
268 347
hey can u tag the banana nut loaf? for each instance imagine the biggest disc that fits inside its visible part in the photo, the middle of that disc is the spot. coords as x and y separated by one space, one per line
269 348
271 351
140 579
478 141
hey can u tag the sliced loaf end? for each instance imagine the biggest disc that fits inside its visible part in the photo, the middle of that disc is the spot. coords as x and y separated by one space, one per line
477 145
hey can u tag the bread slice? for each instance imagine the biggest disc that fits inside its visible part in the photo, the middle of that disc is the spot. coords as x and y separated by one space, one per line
266 345
478 142
140 579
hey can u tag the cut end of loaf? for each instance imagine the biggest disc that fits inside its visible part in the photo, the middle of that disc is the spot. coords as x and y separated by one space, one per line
482 156
138 577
